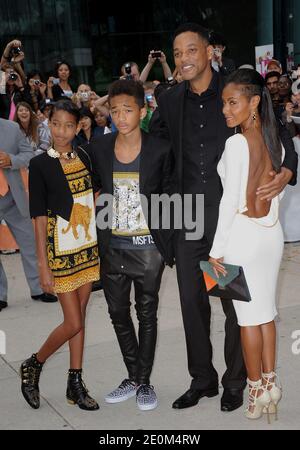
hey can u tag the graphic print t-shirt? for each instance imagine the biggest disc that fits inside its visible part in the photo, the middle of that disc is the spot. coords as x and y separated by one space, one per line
129 226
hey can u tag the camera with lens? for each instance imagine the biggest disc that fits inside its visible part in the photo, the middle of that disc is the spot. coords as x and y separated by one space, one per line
16 50
127 68
84 96
37 82
12 76
156 54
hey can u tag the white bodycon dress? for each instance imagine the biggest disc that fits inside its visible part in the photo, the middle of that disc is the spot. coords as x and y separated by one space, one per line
254 244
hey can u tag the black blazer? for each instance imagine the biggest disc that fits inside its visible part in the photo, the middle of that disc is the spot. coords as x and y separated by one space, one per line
48 186
167 122
154 179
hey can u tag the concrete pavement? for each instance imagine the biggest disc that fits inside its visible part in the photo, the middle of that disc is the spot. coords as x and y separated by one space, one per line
27 323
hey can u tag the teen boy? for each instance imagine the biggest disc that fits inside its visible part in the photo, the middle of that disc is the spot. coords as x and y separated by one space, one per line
126 164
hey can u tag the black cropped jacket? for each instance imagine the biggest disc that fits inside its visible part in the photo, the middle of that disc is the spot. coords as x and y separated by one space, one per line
48 186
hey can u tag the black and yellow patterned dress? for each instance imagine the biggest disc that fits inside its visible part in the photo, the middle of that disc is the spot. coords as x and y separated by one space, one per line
72 246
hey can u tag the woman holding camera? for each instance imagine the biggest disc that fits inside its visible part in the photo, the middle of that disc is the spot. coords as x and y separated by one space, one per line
82 96
12 53
35 90
14 92
58 87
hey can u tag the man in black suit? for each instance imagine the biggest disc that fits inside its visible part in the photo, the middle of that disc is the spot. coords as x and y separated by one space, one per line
190 115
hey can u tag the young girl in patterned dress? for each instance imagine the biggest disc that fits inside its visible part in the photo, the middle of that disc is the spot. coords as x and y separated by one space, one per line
62 203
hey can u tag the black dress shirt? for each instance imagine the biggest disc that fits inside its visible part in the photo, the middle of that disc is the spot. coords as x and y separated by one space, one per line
200 141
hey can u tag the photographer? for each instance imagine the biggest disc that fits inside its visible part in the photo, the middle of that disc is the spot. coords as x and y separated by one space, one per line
35 90
14 55
130 71
156 56
58 87
220 63
82 96
14 91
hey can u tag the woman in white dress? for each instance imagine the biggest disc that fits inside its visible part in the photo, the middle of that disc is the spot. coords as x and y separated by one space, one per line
248 232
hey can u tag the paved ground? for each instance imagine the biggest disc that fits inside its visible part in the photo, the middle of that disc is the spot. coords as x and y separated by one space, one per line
27 324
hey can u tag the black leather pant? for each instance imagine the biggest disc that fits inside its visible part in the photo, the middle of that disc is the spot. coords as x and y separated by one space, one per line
144 268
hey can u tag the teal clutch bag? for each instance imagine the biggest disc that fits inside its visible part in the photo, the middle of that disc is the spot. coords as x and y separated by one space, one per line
232 272
232 286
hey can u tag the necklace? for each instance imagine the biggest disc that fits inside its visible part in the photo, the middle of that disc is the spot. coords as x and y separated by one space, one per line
55 154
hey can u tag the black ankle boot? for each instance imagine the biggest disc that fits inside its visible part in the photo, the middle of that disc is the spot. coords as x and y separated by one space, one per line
77 393
30 372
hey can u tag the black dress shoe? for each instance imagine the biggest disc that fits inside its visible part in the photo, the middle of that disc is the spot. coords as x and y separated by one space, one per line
3 305
192 397
231 399
45 297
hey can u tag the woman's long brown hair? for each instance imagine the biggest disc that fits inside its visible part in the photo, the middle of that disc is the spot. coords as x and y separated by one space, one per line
32 131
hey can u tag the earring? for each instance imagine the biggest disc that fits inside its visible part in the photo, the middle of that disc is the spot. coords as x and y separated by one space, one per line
254 116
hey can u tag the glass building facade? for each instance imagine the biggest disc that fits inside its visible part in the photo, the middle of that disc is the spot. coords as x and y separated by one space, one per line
97 37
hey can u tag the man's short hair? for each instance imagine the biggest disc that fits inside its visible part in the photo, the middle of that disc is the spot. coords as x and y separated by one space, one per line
272 75
128 87
217 39
193 28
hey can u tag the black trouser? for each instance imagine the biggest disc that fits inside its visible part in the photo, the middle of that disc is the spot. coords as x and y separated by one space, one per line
144 268
196 312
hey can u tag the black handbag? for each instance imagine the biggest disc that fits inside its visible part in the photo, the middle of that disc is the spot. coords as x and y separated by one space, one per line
232 286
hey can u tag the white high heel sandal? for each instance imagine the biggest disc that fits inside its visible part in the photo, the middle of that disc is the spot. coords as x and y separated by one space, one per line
275 391
257 403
